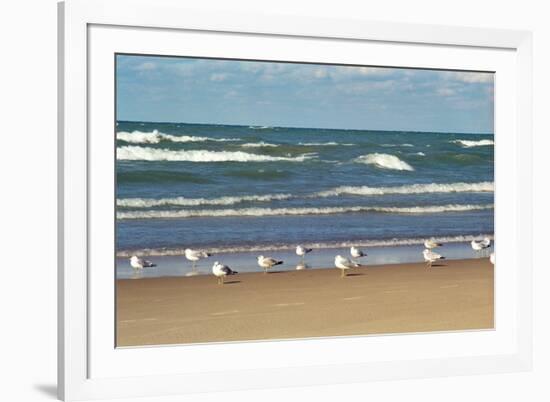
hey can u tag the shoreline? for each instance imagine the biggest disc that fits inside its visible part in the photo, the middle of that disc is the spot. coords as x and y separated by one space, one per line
171 266
374 299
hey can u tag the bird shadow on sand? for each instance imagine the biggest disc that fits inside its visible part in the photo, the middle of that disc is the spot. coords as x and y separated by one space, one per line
231 282
355 274
276 272
437 265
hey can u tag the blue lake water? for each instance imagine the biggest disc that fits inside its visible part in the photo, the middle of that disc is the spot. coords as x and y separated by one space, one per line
235 190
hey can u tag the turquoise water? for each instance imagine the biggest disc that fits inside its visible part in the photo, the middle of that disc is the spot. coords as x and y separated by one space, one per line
239 189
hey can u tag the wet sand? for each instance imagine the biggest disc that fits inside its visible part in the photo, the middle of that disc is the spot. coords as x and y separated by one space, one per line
455 295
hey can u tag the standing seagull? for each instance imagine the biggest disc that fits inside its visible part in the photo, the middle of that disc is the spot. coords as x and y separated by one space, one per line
302 251
357 253
140 263
480 245
431 244
221 271
343 264
430 257
267 262
194 256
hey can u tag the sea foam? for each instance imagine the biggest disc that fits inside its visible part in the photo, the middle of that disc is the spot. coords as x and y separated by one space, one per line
155 136
137 153
480 187
189 202
470 143
315 245
186 213
385 161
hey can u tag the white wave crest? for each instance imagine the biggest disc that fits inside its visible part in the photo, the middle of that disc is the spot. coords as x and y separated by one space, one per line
324 144
189 202
396 145
384 161
481 187
321 245
470 143
136 153
155 136
259 145
185 213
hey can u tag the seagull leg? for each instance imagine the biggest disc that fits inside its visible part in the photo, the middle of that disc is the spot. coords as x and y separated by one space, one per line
222 280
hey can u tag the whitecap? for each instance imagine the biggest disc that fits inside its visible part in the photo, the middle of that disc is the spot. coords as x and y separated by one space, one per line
470 143
155 136
384 161
137 153
257 212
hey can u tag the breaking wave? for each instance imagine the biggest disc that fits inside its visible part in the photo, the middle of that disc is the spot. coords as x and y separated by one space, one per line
298 211
317 245
137 153
481 187
155 136
470 143
189 202
258 145
485 186
384 161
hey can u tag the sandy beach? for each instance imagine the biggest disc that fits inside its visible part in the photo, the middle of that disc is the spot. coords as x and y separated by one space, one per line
455 295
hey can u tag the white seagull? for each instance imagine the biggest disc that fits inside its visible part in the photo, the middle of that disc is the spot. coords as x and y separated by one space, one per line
492 258
302 251
357 253
221 271
480 245
431 244
430 257
195 255
344 264
140 263
267 262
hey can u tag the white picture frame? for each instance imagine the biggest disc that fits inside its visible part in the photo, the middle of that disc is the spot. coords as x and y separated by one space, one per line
89 365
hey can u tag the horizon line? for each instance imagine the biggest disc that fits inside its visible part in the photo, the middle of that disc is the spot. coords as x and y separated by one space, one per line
303 127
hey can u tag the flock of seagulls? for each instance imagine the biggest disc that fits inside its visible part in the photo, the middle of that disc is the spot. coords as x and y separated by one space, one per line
342 263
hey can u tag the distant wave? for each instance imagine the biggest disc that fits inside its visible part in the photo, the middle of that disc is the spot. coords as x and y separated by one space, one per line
485 186
396 145
258 145
185 213
384 161
155 136
320 245
324 144
260 127
469 143
334 192
137 153
188 202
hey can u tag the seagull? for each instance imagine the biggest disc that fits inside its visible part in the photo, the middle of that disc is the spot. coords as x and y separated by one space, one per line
431 244
221 271
430 257
302 251
195 255
480 245
267 262
344 263
492 258
356 253
140 263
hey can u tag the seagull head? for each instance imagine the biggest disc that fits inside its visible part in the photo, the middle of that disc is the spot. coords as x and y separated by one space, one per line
260 257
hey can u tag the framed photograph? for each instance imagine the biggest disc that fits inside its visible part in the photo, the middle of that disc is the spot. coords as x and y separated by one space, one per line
255 201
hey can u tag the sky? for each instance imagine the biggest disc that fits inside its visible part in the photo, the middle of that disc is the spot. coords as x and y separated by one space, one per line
213 91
